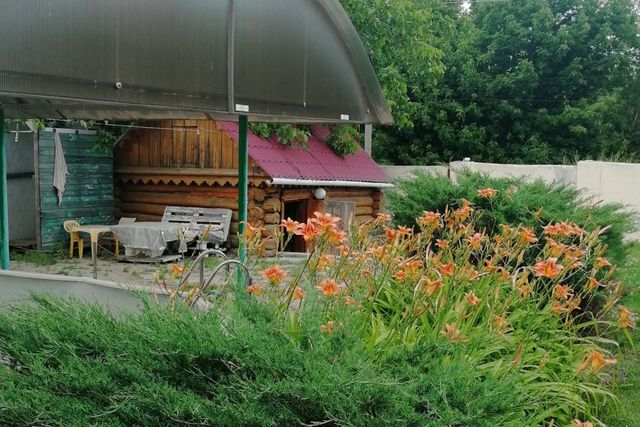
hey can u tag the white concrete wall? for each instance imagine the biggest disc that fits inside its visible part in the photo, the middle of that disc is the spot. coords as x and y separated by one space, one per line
551 174
612 183
408 171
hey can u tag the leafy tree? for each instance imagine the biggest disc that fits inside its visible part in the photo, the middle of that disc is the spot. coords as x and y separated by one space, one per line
510 81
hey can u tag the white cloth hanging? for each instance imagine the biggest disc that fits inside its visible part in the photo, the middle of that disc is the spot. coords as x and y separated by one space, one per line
60 171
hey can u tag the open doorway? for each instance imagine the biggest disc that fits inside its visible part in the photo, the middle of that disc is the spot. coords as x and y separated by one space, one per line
298 211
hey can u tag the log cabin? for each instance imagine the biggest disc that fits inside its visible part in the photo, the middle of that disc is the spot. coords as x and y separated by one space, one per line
195 163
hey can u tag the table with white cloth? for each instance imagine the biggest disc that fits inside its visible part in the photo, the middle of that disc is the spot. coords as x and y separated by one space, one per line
148 239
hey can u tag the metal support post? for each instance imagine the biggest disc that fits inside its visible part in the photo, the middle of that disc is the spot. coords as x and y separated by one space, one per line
243 184
4 202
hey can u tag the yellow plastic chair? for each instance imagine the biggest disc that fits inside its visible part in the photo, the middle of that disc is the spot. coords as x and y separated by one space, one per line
112 238
69 226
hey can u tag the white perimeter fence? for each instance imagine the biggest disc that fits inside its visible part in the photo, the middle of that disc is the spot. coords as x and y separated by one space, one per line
603 181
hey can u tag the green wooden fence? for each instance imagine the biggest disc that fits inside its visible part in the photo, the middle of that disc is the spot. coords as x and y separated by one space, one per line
89 191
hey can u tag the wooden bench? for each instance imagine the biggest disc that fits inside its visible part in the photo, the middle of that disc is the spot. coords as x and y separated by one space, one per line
218 221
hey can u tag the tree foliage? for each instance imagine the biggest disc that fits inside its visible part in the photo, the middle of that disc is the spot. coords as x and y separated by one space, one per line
509 81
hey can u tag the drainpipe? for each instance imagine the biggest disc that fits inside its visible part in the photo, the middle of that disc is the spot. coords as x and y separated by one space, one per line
243 189
4 202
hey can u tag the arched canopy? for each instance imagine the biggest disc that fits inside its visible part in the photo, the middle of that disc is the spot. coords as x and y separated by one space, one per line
271 60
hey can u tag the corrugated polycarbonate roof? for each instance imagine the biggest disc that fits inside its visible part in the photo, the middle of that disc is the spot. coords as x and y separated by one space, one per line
275 60
317 162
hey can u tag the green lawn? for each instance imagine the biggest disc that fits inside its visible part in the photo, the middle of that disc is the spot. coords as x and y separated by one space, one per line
627 378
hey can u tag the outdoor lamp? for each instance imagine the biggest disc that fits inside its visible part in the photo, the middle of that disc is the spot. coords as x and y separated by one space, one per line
320 193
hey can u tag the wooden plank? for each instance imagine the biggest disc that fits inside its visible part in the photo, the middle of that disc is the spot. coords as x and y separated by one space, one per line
179 199
133 151
143 148
155 140
202 145
191 148
215 144
219 191
226 161
178 144
166 145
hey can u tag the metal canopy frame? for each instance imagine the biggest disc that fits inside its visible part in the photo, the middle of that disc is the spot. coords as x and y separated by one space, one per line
290 61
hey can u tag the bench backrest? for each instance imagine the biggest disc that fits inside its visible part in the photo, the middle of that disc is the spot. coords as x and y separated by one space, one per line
202 216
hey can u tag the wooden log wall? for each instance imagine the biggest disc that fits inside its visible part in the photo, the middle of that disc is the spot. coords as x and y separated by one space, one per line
147 202
368 201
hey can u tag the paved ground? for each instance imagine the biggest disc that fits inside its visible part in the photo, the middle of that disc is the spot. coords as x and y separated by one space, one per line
136 274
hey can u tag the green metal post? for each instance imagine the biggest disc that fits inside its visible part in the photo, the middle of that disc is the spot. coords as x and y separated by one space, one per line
4 202
243 184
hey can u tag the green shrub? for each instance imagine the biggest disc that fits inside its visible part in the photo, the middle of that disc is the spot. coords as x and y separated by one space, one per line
534 204
74 365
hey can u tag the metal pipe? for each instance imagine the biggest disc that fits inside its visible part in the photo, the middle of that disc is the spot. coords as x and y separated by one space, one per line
200 259
204 289
4 202
243 190
324 183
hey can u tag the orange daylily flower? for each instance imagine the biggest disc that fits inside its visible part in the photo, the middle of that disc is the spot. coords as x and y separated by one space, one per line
404 231
564 229
446 269
601 262
433 286
476 240
500 322
329 328
625 318
325 260
274 274
412 267
548 268
390 233
595 361
344 251
176 270
526 236
329 288
525 290
562 291
377 252
254 289
592 283
487 193
555 249
337 236
383 217
298 293
451 332
400 276
290 225
464 212
430 219
506 230
308 231
250 231
442 244
577 423
472 299
325 220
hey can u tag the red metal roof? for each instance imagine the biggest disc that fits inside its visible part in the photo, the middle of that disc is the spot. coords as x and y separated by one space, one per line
317 162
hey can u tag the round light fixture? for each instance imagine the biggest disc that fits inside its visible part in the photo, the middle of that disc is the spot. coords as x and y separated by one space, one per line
320 193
